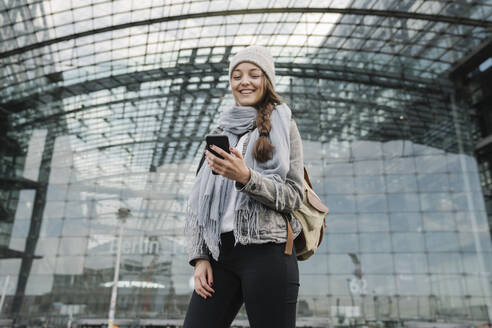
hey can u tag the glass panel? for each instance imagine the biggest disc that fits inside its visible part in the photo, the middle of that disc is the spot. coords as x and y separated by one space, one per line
408 263
408 242
406 222
373 222
377 263
445 263
418 285
342 243
105 104
375 242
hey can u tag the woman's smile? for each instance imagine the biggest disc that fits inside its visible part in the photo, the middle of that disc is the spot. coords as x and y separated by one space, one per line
246 92
247 84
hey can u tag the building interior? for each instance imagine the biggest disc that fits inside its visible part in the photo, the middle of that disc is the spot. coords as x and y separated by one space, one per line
105 104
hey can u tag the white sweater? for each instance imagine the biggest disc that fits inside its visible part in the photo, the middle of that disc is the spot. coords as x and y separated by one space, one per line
228 218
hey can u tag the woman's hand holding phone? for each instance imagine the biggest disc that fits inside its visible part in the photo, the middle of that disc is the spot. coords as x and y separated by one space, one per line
220 140
232 166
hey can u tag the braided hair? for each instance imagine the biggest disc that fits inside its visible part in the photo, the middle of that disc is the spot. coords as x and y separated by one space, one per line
262 149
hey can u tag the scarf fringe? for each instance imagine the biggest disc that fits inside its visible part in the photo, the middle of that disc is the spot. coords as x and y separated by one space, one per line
279 194
200 232
247 222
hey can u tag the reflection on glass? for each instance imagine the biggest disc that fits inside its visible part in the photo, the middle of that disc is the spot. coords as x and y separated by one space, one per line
117 119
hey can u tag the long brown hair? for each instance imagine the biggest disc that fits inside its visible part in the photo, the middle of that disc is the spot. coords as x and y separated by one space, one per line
262 149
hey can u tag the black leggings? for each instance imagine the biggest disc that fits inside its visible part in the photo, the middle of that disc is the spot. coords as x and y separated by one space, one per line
260 275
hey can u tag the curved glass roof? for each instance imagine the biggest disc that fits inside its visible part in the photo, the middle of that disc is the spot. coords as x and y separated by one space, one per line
105 104
147 78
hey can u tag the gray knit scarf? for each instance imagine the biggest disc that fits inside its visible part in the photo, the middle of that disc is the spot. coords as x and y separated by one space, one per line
211 193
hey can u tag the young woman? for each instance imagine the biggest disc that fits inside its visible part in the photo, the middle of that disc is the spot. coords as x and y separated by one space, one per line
236 221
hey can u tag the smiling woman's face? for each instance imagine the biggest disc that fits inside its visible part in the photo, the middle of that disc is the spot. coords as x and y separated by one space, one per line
247 84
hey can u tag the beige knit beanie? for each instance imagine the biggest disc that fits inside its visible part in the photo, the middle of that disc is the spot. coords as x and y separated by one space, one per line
257 55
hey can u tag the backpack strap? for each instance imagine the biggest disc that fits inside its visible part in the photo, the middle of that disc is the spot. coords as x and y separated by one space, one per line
200 165
306 177
289 244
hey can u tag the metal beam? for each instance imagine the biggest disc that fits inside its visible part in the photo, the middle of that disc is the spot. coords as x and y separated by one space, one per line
472 60
323 71
7 253
410 112
37 216
344 11
156 140
312 93
13 183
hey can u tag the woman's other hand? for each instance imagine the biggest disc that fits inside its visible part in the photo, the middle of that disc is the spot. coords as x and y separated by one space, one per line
203 278
232 166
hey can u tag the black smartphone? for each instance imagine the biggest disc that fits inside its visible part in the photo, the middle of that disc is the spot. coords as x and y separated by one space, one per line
220 141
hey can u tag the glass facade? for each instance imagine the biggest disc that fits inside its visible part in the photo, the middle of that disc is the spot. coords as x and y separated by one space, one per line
105 105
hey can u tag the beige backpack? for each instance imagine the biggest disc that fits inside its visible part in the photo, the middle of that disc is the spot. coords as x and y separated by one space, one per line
311 216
